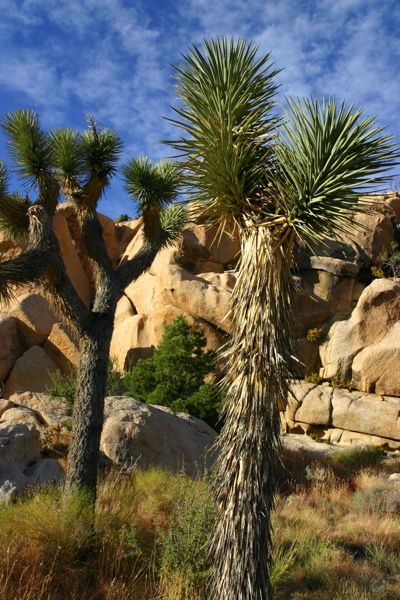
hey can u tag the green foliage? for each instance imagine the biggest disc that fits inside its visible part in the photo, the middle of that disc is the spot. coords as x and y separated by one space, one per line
314 378
183 544
64 386
341 383
122 218
390 260
359 458
314 334
174 376
29 146
377 272
325 153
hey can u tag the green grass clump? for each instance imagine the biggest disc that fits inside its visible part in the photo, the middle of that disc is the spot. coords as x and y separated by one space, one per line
336 535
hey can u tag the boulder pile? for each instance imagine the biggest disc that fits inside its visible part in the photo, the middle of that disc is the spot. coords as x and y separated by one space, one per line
348 322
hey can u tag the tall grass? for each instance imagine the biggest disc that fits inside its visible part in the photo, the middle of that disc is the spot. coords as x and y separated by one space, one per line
336 535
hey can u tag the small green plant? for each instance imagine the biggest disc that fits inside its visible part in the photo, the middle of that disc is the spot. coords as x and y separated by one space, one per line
391 260
353 461
313 378
318 438
122 218
314 334
341 383
174 376
377 272
64 386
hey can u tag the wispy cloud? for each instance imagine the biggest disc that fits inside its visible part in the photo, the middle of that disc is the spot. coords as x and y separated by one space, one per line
112 57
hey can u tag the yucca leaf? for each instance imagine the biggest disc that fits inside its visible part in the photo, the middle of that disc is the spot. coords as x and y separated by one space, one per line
326 154
99 151
68 158
28 145
228 96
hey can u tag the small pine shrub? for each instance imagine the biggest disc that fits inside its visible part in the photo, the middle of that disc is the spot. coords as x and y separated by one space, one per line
122 218
174 376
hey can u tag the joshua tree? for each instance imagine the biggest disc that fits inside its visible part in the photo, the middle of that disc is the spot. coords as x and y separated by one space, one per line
277 180
80 166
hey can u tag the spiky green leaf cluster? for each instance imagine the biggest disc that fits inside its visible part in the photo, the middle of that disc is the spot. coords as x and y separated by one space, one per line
151 185
68 160
100 151
326 157
173 220
29 146
229 96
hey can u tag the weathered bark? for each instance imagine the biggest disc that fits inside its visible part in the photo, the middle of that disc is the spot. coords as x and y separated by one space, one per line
257 382
84 450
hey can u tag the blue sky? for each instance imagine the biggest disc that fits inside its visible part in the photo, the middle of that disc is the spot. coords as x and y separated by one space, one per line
112 59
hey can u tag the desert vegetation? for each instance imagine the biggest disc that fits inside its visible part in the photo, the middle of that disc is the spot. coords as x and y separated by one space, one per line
336 534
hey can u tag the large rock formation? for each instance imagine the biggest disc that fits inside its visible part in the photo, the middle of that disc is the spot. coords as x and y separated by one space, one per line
355 321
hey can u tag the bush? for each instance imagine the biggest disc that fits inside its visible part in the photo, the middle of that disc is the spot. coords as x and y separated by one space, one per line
174 376
122 218
64 386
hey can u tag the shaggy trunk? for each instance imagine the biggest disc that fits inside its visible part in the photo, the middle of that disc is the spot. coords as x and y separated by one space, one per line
257 383
84 449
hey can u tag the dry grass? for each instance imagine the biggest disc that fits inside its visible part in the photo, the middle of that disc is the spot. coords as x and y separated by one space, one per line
334 536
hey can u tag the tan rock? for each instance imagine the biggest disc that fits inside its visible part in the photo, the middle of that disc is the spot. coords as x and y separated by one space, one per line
10 345
62 346
204 242
393 200
71 260
366 415
35 319
45 472
125 232
178 288
137 337
378 309
24 414
5 405
11 248
142 293
226 280
123 311
52 412
19 444
12 483
110 238
376 369
130 342
321 296
352 438
374 233
315 408
145 435
30 372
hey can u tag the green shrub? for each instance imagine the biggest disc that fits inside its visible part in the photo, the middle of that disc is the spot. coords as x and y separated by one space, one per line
64 386
122 218
341 383
356 459
174 376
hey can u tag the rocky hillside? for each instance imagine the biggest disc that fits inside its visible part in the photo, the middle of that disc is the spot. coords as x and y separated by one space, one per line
348 322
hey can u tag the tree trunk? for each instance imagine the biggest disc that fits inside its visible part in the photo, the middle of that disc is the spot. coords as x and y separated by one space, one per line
84 450
257 383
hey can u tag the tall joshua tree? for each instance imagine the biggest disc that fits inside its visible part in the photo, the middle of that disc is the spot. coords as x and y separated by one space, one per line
80 167
278 180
